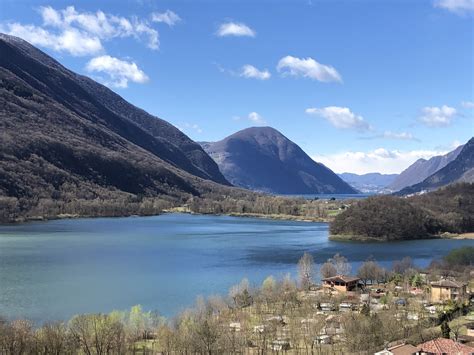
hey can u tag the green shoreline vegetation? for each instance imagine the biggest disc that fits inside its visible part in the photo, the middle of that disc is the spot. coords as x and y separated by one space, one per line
285 315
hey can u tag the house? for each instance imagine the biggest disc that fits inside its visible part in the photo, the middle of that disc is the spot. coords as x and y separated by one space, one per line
281 345
446 289
470 329
401 349
443 346
341 283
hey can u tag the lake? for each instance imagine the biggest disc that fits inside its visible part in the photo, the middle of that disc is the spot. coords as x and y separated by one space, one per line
55 269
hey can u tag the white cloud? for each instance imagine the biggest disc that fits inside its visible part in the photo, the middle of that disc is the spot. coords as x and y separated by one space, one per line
235 29
168 17
81 33
456 6
119 72
256 118
393 135
193 127
249 71
398 135
340 117
100 24
308 68
71 40
379 160
437 116
467 104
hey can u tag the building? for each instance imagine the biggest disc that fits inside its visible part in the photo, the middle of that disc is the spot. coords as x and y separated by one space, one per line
443 346
341 283
401 349
446 289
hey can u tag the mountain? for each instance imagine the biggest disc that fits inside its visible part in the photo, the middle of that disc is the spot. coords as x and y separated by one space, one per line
421 169
369 183
262 159
461 169
65 137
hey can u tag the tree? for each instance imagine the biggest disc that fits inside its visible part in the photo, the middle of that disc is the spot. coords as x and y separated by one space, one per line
306 271
328 270
401 266
341 264
369 271
445 330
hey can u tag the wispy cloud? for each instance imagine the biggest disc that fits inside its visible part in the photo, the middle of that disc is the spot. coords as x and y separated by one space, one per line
379 160
467 104
340 117
253 117
71 40
437 116
168 17
249 71
307 68
456 6
404 136
81 33
118 72
235 29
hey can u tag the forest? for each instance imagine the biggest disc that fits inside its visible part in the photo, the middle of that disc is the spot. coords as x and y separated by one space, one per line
447 210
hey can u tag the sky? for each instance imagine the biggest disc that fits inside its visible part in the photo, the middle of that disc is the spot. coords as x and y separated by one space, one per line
361 85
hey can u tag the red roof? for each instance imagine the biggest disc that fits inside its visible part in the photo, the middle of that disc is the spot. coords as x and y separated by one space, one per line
445 346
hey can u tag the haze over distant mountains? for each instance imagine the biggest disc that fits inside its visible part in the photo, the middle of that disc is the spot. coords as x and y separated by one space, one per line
369 183
460 169
64 136
263 159
421 169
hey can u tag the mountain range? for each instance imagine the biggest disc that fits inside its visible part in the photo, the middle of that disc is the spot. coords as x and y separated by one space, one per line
370 182
421 169
263 159
65 137
460 169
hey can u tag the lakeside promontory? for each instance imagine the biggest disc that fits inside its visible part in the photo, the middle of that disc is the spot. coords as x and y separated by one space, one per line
386 218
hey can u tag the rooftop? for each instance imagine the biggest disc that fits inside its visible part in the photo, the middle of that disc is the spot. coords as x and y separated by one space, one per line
448 283
342 278
445 346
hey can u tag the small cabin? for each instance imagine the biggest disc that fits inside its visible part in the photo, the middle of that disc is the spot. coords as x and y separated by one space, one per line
341 283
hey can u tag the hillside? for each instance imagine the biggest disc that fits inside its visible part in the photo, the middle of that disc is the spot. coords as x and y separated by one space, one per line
449 209
66 139
421 169
461 169
262 159
369 183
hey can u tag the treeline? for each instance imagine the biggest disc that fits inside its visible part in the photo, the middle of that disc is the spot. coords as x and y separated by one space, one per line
450 209
243 202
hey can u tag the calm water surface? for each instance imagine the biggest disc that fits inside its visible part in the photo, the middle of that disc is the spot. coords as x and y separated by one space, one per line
52 270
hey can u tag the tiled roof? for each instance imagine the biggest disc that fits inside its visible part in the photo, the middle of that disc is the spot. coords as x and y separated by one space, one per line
404 349
447 283
343 278
445 346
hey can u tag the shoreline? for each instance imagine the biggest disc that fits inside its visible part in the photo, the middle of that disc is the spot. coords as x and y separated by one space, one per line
281 217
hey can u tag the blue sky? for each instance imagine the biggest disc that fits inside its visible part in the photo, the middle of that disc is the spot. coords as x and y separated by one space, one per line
360 85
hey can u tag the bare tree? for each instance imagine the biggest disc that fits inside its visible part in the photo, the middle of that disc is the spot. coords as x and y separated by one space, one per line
328 270
306 271
341 264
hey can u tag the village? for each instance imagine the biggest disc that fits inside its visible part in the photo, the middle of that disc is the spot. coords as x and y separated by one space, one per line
401 311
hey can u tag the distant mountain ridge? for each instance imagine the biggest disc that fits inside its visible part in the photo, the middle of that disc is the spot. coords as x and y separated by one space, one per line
370 182
461 169
65 137
422 168
263 159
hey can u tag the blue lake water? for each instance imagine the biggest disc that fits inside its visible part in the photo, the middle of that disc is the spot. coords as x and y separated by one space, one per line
55 269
